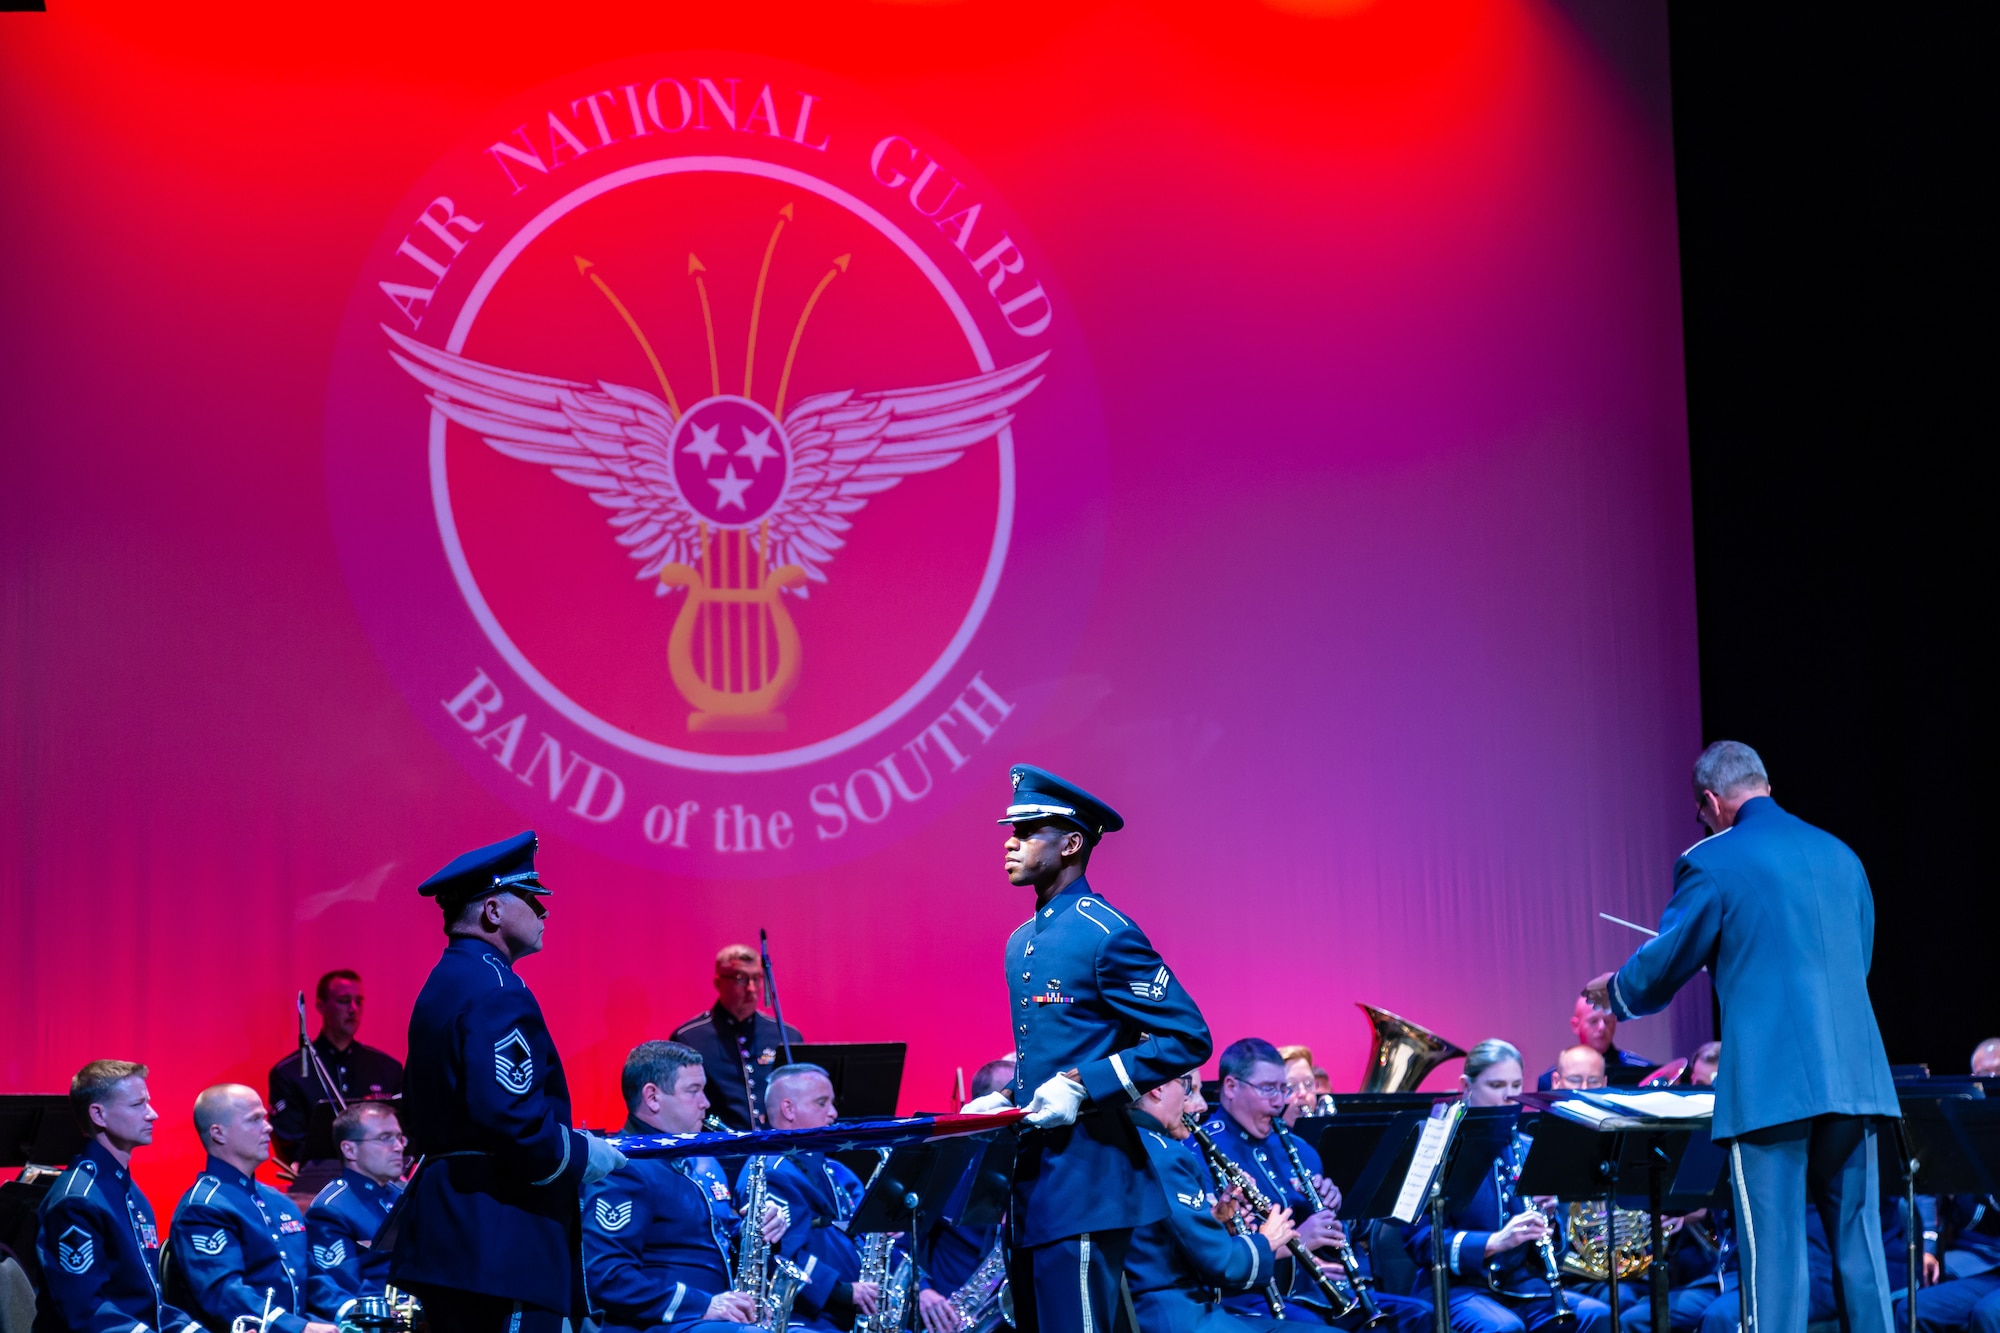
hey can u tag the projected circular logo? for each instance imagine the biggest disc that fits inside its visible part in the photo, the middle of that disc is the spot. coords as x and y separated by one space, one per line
715 465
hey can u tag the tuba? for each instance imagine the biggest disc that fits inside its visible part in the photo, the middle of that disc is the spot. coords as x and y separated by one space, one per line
1589 1258
1402 1053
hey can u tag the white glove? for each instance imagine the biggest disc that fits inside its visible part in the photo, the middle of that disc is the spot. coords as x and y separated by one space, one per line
604 1159
1056 1103
990 1104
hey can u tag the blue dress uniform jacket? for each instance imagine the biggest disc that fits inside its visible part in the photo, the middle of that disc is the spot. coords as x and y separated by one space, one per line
340 1230
234 1240
818 1195
656 1241
738 1059
1177 1263
1087 992
493 1210
100 1253
1781 914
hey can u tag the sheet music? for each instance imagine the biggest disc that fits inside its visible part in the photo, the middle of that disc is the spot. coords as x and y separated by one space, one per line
1423 1165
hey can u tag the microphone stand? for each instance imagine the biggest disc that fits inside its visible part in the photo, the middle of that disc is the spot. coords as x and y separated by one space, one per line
771 986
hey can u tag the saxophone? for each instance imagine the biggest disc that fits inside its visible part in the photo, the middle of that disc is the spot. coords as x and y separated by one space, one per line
877 1250
753 1252
981 1304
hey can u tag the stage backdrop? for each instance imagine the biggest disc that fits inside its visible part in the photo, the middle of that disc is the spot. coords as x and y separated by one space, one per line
724 438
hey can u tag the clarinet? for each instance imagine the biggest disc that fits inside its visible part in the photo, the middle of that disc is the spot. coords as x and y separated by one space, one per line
1364 1295
1546 1248
1237 1226
1339 1302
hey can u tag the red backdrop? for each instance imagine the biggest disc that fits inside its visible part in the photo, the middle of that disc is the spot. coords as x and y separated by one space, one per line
1374 610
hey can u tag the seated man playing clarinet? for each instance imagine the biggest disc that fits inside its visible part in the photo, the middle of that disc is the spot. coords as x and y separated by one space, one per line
1500 1252
818 1195
1249 1130
1179 1268
659 1234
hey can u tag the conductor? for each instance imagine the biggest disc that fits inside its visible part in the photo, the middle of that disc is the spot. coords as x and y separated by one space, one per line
489 1237
1781 914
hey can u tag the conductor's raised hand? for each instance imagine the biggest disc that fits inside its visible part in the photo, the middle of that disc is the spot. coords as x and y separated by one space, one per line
1598 991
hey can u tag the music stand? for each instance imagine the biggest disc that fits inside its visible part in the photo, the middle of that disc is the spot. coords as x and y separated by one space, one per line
867 1076
1927 1142
37 1129
1579 1160
1366 1157
1471 1138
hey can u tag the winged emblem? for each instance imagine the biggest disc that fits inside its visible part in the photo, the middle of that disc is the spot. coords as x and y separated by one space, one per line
330 1256
76 1250
514 1063
727 461
212 1244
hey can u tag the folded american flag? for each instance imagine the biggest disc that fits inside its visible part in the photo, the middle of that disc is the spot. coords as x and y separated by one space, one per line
840 1136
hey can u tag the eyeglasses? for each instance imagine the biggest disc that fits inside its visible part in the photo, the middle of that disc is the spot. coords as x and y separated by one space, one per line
389 1140
1270 1092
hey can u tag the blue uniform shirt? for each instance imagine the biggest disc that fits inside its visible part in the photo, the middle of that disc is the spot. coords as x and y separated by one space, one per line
657 1238
494 1208
340 1229
100 1253
818 1195
1086 991
1176 1263
1781 914
234 1240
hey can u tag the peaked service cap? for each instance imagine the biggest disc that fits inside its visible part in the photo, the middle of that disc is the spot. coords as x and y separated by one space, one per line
1040 794
504 866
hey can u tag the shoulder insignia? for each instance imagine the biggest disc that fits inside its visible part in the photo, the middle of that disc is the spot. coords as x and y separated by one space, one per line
1154 987
76 1250
514 1063
499 969
1088 908
212 1244
1192 1200
330 1256
614 1216
83 1174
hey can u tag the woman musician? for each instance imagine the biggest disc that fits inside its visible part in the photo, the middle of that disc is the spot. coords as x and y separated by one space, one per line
1499 1248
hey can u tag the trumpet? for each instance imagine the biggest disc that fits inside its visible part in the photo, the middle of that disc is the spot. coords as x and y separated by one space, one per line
1364 1295
1338 1302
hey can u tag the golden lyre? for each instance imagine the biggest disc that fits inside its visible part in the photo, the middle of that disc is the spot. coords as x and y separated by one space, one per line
733 652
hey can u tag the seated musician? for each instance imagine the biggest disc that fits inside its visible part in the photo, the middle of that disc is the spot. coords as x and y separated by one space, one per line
1986 1059
818 1195
955 1254
1579 1067
340 1066
1245 1129
1597 1029
1969 1297
344 1217
237 1247
1177 1269
659 1233
1495 1271
1301 1088
1707 1059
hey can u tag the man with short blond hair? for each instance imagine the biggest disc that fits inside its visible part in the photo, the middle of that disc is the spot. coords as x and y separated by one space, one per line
96 1238
739 1046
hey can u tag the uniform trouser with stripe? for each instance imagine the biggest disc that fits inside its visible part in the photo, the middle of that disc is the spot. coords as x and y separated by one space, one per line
1826 1162
1073 1285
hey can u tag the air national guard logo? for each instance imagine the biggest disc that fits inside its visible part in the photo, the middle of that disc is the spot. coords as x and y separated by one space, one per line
614 1217
700 430
76 1250
514 1063
330 1256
